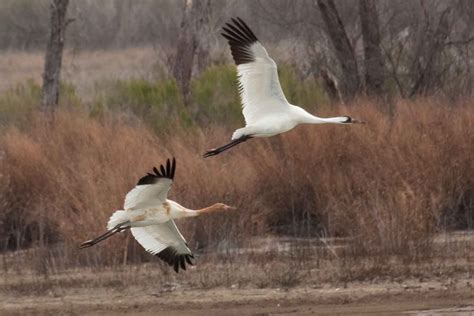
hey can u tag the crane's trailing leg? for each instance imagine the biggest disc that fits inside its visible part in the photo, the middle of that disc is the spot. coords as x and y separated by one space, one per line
104 236
233 143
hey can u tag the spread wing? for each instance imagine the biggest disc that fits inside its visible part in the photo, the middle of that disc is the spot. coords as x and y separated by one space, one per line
166 242
152 189
259 86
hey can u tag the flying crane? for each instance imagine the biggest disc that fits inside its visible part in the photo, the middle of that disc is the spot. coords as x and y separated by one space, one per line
150 217
265 108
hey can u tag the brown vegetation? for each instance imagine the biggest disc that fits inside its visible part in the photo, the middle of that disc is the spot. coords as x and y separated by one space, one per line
389 186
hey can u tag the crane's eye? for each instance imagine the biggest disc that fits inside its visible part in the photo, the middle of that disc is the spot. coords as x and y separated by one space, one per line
348 120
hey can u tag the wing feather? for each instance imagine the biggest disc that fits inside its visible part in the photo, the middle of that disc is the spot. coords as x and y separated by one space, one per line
152 189
166 242
259 86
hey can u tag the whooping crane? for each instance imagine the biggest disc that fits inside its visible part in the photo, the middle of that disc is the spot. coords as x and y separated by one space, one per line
150 216
265 108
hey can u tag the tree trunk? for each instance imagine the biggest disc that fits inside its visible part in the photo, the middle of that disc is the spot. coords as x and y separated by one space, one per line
54 55
203 27
191 40
330 85
374 65
187 44
335 30
121 21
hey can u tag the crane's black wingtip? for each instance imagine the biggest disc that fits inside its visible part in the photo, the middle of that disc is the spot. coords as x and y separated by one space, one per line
240 38
166 170
175 260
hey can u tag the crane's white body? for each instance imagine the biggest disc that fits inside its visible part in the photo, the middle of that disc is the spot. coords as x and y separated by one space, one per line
280 122
152 215
153 226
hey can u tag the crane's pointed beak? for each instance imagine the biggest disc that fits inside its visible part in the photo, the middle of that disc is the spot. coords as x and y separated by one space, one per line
355 121
230 208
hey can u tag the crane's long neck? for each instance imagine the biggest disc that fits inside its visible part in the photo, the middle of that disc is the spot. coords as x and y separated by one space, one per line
307 118
210 209
311 119
205 210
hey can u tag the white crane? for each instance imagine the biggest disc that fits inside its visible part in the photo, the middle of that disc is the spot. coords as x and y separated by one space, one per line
265 108
150 217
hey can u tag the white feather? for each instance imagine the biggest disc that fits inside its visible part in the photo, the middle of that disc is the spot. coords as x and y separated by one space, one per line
118 217
156 238
261 93
148 195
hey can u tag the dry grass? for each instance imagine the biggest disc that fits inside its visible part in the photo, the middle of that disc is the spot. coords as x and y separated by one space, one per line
271 268
388 186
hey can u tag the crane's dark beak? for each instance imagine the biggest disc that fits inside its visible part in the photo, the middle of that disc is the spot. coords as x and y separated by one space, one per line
355 121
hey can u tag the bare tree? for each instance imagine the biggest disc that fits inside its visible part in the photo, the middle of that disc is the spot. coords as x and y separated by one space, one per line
349 80
431 43
194 13
54 55
374 64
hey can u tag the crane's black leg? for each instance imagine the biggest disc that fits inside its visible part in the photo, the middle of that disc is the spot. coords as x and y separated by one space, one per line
233 143
104 236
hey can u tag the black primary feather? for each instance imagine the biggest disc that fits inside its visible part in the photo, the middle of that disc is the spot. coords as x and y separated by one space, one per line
163 171
172 258
168 172
240 37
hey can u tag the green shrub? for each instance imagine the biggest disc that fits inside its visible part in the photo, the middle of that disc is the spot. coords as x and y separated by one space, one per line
18 103
154 102
216 96
68 96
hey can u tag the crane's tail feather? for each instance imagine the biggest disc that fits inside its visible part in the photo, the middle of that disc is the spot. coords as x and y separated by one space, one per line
116 224
233 143
117 218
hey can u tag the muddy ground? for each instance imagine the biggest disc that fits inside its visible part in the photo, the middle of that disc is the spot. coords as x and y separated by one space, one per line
451 297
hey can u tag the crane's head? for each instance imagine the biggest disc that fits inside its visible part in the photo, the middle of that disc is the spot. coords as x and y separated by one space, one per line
217 207
350 120
223 207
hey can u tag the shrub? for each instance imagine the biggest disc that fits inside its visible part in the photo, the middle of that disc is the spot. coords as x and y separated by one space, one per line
215 95
157 103
17 105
